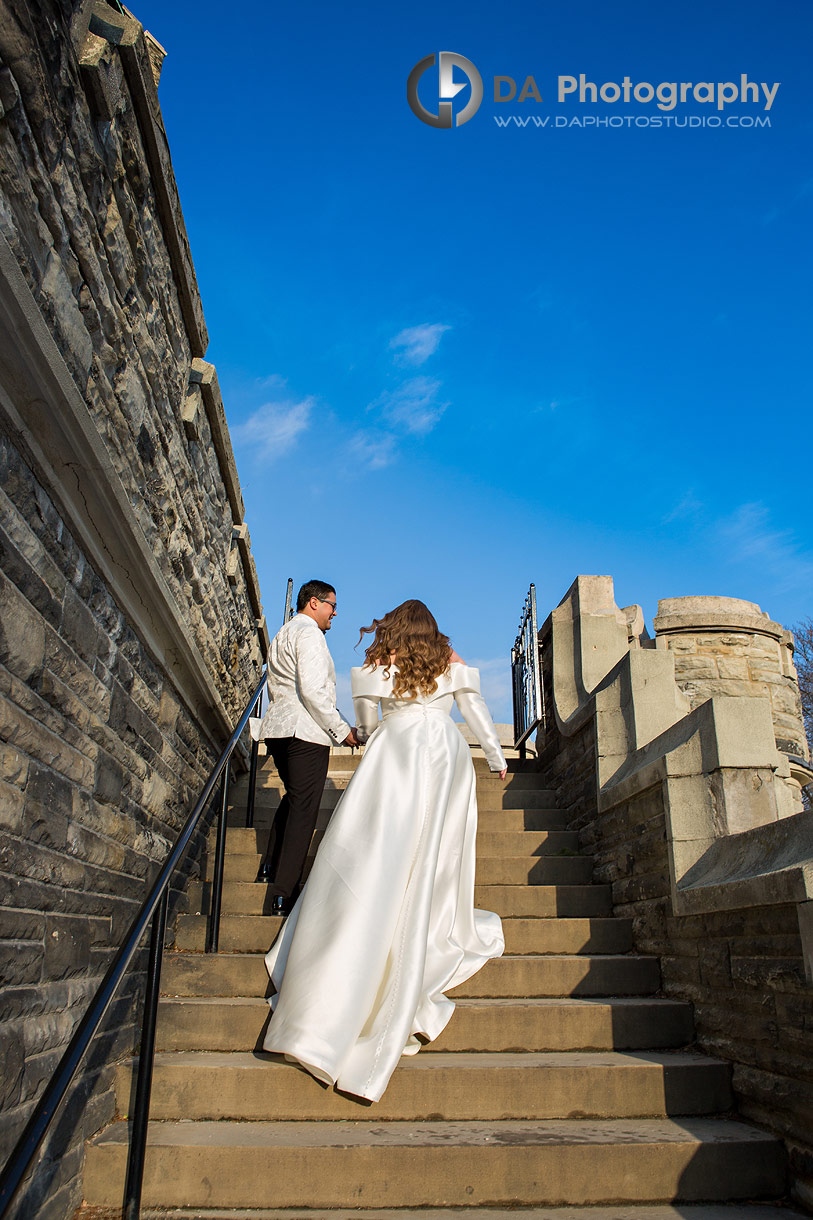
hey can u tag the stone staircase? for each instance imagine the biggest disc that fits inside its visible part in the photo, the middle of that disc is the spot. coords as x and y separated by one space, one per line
562 1081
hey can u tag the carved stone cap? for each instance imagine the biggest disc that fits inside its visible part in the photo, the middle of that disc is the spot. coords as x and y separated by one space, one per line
686 615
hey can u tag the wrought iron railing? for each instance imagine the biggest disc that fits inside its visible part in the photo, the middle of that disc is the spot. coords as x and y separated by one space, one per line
529 707
154 908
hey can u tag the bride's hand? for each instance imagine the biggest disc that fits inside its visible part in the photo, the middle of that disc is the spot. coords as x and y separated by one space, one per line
503 773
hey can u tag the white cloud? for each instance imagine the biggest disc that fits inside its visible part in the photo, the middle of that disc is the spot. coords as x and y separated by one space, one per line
687 508
374 449
274 381
417 343
749 538
413 406
275 427
556 404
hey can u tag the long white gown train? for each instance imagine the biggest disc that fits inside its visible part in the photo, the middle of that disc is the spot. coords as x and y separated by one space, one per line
385 923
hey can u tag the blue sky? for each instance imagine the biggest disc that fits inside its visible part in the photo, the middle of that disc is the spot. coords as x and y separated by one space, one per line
455 361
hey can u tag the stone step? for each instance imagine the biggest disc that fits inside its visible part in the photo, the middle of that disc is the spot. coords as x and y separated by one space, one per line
487 817
502 820
439 1164
521 852
489 820
347 760
341 767
254 934
268 796
502 841
244 974
249 898
560 1024
342 758
540 901
493 797
340 777
491 870
656 1211
534 870
471 1087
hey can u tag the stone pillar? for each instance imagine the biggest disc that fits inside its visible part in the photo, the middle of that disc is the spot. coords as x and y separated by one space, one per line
725 646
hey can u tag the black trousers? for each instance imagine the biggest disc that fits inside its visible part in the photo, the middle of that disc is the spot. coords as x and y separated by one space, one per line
302 767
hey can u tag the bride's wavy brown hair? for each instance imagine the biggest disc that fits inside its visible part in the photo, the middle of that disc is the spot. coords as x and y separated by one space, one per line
408 637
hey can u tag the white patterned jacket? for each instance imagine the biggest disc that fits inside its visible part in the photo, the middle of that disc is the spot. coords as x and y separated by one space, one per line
301 687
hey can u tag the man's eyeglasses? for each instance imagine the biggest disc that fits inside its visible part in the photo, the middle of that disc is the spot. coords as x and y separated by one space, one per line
327 603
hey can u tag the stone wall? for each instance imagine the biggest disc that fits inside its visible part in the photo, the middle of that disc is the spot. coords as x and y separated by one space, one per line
690 818
742 969
101 761
131 630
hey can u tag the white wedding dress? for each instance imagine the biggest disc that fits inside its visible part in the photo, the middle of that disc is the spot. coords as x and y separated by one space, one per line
385 923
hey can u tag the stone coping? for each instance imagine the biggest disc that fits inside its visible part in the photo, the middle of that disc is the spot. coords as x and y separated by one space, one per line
677 624
713 613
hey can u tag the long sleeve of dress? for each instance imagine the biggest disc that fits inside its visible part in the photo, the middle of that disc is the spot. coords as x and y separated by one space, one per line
366 708
476 715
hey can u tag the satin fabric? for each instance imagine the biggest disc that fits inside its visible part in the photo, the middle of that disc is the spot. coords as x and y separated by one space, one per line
386 922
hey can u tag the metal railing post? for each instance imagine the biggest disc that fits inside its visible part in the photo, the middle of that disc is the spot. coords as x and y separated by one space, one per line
252 784
539 705
146 1054
526 681
213 939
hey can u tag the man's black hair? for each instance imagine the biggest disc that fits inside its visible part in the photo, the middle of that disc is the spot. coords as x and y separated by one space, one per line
313 588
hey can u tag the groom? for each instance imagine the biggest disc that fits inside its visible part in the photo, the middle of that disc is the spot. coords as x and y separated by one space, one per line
299 727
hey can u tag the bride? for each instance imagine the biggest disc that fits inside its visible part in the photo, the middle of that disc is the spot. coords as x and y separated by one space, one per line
385 923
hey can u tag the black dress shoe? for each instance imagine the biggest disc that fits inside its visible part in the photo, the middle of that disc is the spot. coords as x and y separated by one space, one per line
264 874
280 905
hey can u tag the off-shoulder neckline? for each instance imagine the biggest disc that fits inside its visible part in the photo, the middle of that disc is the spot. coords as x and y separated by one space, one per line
377 668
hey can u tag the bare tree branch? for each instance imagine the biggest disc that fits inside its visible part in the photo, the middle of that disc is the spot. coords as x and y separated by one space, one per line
803 659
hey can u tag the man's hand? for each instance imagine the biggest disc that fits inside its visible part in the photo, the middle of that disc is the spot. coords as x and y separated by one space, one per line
351 740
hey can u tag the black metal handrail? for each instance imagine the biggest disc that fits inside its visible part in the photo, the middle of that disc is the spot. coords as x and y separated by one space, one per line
155 908
529 708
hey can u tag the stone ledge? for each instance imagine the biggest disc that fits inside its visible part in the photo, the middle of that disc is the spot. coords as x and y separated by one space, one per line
243 539
203 374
